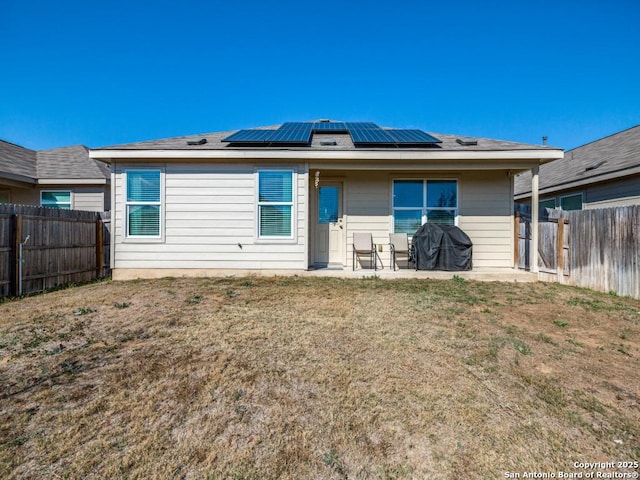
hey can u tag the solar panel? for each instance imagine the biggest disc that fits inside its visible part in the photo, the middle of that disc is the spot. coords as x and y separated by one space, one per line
367 132
412 136
249 136
363 125
293 132
330 127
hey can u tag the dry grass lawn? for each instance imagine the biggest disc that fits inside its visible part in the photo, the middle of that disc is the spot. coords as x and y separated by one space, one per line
312 378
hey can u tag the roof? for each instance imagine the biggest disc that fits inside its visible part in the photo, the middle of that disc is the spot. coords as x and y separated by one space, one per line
343 142
608 158
70 162
31 166
17 163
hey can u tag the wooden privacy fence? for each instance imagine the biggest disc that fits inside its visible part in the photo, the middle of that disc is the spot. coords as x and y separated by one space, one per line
42 248
597 249
554 255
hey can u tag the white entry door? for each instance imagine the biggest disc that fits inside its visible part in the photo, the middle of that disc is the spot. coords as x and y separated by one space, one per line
329 241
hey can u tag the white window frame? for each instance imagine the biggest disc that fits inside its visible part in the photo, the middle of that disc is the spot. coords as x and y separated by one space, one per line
159 203
293 204
55 205
571 195
424 208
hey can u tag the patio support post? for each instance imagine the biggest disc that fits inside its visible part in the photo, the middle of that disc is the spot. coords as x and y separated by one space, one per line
533 247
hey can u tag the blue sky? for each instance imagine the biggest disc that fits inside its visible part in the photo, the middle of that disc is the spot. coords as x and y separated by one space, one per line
104 73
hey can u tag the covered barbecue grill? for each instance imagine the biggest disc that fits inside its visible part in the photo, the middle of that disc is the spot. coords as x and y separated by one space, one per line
441 247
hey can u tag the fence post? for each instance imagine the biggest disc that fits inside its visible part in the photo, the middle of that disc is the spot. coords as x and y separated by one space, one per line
560 250
516 240
17 240
99 251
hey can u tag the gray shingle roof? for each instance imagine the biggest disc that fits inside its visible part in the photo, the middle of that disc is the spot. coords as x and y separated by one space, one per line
615 154
17 161
70 162
343 140
27 165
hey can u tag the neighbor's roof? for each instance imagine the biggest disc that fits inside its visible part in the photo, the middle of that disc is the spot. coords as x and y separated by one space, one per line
30 166
17 163
608 158
70 162
343 142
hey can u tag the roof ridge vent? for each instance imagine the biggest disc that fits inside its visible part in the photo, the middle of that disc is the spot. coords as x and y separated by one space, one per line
466 143
202 141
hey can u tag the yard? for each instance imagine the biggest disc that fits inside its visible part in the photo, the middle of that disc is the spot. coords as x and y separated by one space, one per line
301 378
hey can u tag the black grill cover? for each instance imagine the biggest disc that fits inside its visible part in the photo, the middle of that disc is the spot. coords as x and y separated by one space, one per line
441 247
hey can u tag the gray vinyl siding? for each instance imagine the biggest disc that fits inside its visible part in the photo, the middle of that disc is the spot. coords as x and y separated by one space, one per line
209 216
210 222
486 215
24 196
89 198
368 209
624 191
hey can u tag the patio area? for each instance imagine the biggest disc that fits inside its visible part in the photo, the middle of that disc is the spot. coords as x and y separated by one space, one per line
386 273
480 274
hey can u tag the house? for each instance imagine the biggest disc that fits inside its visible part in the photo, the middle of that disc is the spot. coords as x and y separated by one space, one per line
59 178
291 197
600 174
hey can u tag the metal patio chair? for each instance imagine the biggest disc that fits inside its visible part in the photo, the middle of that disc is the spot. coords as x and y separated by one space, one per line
399 245
363 245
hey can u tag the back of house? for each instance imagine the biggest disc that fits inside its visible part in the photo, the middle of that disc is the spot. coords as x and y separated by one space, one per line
291 197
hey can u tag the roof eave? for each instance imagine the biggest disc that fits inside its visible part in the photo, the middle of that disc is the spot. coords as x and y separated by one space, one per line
542 155
73 181
18 178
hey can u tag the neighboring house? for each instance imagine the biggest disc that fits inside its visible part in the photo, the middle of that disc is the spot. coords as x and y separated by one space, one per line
291 197
59 178
600 174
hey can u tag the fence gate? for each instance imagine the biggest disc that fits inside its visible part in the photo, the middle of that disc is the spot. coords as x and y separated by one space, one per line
554 256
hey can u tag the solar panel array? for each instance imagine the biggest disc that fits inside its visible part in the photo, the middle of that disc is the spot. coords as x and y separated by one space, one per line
362 134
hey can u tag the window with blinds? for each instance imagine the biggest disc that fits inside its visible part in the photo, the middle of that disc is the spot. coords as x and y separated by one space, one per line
275 204
143 203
